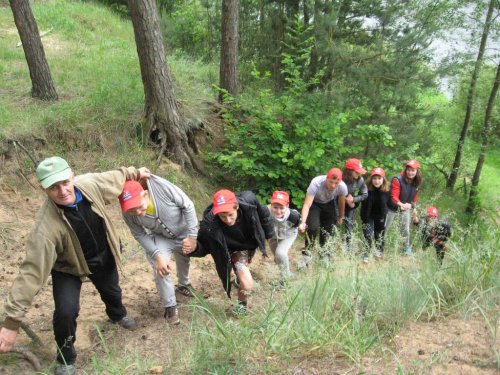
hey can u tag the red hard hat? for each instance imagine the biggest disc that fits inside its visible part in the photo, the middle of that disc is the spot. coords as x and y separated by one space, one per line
378 171
355 165
413 164
432 211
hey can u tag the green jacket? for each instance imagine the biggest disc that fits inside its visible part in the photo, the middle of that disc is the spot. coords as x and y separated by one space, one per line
52 243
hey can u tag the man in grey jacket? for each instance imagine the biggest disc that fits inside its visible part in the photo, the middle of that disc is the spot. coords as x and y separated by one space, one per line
163 220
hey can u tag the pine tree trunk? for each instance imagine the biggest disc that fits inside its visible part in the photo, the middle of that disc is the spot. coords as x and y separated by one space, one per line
161 111
229 48
41 80
452 179
485 136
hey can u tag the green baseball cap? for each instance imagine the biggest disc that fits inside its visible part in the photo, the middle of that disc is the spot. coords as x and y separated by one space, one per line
52 170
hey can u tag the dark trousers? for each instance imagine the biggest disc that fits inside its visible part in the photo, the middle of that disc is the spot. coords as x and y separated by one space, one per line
322 218
349 223
66 291
374 228
439 249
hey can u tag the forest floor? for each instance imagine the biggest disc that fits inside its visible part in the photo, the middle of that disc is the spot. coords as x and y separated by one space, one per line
454 345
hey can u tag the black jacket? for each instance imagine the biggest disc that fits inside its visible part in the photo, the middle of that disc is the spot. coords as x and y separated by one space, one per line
211 238
376 199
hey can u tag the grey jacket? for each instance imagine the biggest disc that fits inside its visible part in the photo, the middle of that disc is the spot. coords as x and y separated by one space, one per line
358 190
175 216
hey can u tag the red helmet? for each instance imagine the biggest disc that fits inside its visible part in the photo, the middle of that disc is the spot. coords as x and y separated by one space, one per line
355 165
432 211
413 164
378 171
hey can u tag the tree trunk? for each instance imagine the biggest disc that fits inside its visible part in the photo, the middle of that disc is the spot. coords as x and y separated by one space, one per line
229 48
41 80
485 136
166 126
470 98
306 11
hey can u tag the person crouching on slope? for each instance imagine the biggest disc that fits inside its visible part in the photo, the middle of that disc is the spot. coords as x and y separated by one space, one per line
403 200
163 220
74 237
374 212
356 193
231 230
435 232
286 221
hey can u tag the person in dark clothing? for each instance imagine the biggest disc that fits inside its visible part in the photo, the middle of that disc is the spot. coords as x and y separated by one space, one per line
435 232
403 200
231 230
374 212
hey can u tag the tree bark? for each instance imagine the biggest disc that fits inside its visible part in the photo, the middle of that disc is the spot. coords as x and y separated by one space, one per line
485 136
41 80
452 179
166 126
229 48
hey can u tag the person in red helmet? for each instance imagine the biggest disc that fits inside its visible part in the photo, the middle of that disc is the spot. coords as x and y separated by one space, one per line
403 200
162 218
286 221
356 193
323 209
374 212
231 230
435 232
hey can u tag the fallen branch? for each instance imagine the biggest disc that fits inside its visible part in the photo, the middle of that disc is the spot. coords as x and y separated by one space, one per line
28 356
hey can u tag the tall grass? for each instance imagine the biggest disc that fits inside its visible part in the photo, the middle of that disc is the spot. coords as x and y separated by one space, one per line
344 308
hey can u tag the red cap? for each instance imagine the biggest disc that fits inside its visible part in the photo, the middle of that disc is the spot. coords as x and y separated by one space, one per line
131 195
413 164
223 201
280 197
335 174
355 165
432 211
378 172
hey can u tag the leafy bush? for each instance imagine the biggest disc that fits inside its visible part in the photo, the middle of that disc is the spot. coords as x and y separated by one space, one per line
282 141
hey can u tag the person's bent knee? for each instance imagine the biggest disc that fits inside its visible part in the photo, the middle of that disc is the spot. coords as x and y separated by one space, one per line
66 313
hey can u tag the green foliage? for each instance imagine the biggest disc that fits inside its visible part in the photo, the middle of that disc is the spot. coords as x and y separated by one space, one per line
192 27
93 59
281 141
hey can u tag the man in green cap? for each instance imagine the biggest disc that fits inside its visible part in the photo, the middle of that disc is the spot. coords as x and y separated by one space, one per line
73 238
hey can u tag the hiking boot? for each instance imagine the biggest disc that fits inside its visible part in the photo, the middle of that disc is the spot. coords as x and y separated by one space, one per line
378 255
127 322
185 290
172 315
408 251
304 260
365 259
64 369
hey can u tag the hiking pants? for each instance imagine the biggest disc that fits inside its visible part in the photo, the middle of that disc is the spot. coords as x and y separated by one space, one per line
322 218
280 250
374 228
165 285
66 291
404 224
